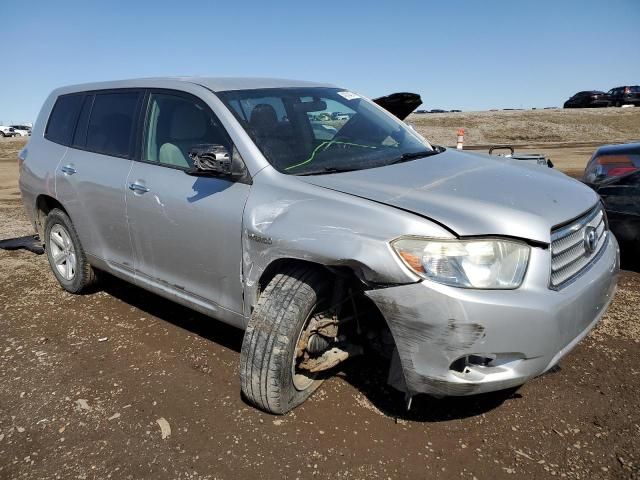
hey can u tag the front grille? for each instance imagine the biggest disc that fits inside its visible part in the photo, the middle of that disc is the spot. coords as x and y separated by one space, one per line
572 252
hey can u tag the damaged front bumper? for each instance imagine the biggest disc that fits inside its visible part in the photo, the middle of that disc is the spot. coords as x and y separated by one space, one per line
454 341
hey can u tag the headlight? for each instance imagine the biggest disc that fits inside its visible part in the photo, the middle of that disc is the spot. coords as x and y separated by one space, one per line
483 263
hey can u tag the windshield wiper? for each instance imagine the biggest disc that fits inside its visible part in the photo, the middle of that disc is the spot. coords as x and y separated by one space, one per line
405 157
325 170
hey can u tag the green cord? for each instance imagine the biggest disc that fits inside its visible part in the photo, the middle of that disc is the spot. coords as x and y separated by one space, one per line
326 145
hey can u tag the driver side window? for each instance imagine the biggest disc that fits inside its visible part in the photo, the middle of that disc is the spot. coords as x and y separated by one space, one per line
177 123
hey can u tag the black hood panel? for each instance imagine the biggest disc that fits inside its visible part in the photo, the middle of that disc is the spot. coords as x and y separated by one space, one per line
400 104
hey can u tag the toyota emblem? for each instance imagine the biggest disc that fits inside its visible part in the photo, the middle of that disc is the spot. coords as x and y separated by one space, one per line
590 239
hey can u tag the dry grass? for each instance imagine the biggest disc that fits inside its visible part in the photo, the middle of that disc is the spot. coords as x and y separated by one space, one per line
590 125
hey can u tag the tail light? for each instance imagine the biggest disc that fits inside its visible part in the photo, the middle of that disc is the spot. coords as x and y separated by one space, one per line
608 166
618 171
22 156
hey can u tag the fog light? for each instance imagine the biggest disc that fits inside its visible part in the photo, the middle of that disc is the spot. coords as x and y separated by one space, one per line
462 363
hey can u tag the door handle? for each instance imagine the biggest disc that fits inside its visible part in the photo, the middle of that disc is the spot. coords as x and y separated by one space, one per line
137 188
68 170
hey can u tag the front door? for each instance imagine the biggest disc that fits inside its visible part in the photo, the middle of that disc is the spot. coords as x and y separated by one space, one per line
185 230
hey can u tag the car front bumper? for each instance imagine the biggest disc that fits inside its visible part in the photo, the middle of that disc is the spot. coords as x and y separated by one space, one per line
441 332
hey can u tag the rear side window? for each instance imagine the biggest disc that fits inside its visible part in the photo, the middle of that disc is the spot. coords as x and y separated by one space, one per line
111 124
62 120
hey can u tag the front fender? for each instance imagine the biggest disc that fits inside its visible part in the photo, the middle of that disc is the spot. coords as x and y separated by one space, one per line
288 219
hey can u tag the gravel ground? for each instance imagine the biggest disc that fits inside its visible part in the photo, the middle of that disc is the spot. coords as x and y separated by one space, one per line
120 383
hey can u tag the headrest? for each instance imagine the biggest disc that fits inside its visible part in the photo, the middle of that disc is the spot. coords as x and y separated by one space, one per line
263 115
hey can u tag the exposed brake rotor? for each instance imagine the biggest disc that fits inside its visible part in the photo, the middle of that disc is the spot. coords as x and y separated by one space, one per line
318 348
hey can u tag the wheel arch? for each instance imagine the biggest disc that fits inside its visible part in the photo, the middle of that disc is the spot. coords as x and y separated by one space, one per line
44 204
279 265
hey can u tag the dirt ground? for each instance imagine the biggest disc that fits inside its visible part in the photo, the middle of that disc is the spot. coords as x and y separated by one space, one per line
121 383
568 137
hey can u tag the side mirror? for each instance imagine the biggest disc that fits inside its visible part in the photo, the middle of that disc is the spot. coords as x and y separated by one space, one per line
210 159
213 160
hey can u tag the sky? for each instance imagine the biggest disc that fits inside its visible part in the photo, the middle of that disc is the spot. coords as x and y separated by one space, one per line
469 55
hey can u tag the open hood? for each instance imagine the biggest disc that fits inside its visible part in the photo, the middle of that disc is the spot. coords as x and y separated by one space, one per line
400 104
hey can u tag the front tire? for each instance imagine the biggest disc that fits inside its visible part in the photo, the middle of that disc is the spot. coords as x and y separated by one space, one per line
268 374
65 253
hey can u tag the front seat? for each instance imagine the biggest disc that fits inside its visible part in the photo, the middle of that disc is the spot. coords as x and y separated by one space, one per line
263 118
187 128
266 128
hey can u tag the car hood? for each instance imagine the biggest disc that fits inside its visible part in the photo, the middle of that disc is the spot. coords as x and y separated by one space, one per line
472 194
400 104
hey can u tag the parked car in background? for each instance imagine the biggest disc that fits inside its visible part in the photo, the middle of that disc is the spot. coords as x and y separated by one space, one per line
462 269
588 99
614 172
21 130
611 161
6 131
620 96
340 116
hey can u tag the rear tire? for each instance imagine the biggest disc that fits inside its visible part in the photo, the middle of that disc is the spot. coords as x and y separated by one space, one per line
66 256
268 357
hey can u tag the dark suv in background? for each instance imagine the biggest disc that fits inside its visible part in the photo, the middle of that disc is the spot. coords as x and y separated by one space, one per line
588 99
624 96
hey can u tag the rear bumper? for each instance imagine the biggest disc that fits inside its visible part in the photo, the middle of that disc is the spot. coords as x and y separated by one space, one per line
525 331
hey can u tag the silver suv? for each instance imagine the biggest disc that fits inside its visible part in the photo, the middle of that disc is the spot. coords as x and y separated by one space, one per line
324 227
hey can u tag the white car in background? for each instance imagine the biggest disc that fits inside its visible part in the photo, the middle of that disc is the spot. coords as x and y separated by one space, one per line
7 131
21 130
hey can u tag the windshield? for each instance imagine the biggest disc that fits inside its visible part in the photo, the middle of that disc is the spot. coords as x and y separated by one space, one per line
306 131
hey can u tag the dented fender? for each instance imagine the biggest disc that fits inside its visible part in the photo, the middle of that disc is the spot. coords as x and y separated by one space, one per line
285 218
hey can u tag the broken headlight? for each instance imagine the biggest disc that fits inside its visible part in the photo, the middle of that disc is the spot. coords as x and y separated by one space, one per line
477 263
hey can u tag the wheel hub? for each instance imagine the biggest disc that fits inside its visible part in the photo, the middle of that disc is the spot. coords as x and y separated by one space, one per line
63 255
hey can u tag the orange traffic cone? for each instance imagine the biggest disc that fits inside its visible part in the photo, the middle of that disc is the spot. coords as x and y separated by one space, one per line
460 138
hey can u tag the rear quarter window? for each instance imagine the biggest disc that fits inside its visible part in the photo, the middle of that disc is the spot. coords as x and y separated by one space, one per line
111 125
62 120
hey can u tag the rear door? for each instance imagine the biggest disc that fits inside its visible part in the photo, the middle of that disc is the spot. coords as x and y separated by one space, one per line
186 230
91 178
616 96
